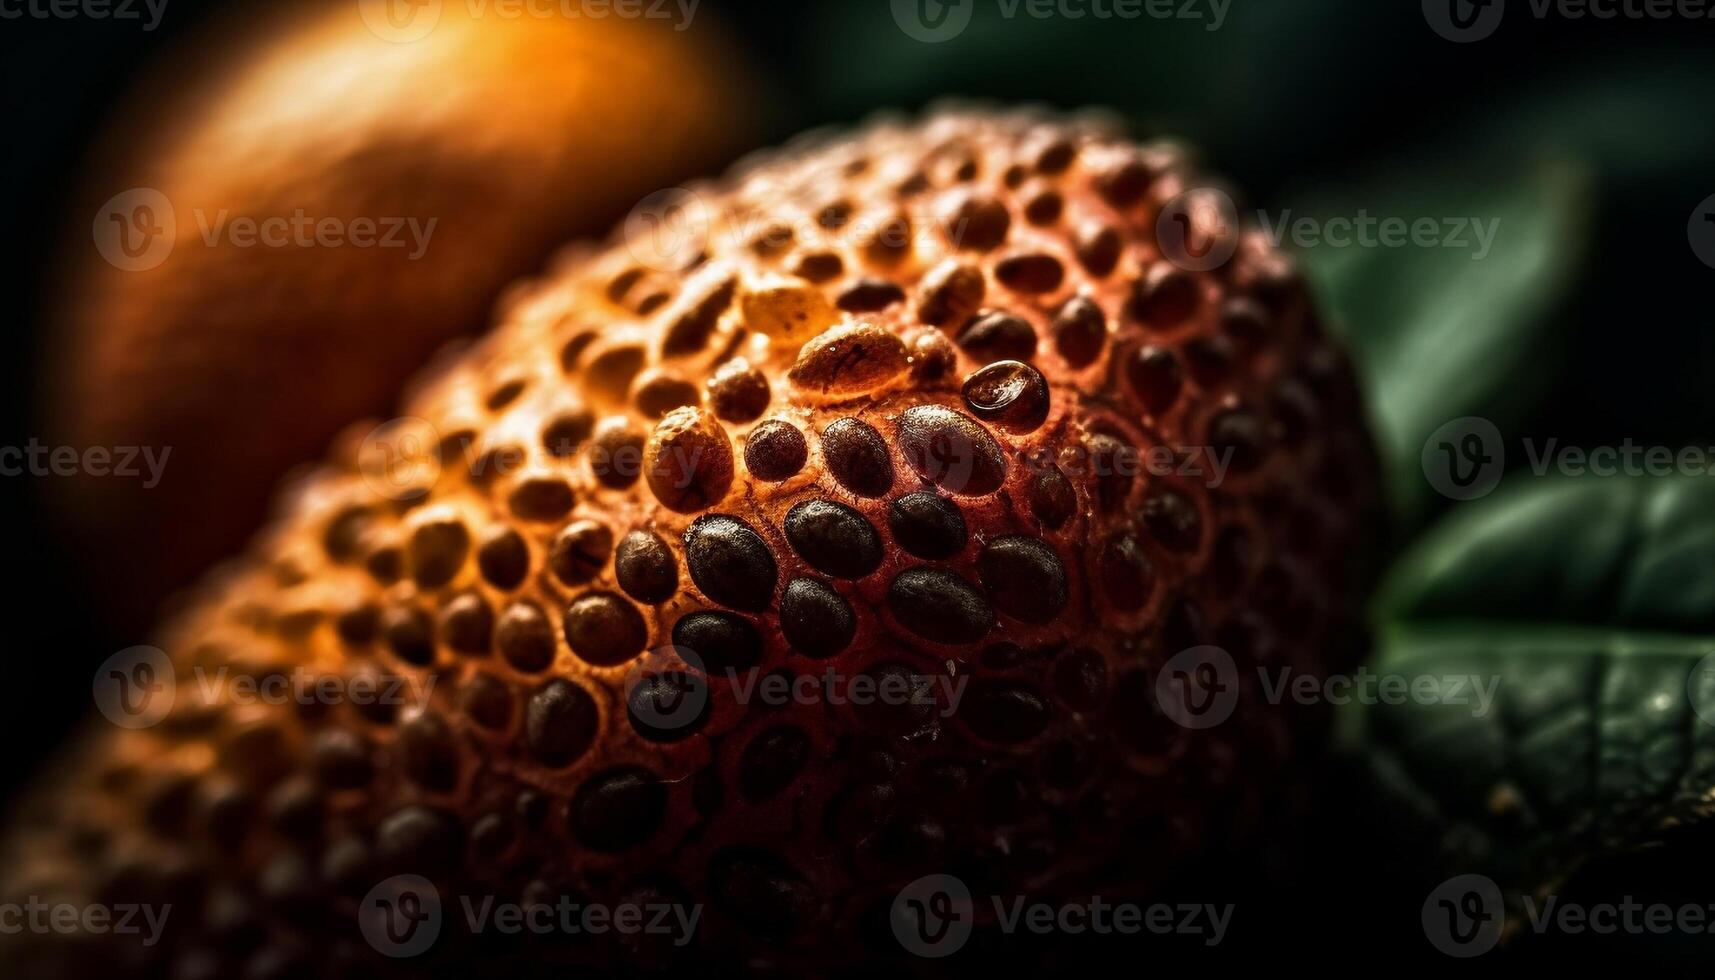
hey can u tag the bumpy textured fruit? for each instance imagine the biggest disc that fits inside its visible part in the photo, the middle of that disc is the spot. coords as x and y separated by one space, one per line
924 409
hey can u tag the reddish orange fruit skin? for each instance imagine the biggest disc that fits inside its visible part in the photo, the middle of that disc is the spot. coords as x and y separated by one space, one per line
972 455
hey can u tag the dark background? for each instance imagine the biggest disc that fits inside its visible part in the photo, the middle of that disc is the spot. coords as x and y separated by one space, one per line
1292 100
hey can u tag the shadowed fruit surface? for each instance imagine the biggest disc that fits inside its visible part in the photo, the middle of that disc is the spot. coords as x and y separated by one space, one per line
467 153
922 441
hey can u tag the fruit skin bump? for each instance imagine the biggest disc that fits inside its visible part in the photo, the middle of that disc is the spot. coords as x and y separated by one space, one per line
922 408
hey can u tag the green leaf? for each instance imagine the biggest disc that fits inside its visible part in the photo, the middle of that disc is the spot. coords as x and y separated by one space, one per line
1589 604
1440 333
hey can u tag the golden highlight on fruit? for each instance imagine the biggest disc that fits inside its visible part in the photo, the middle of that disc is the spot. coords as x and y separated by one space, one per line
338 202
972 529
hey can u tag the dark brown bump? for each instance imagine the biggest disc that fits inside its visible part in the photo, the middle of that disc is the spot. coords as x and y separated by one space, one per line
857 457
835 539
688 461
976 222
437 551
503 558
430 753
618 809
604 629
646 568
761 892
1003 712
1080 679
739 392
572 351
579 551
869 295
609 374
939 605
1055 155
998 336
722 641
1030 272
341 759
927 525
1154 376
661 393
616 454
567 433
816 620
932 358
690 330
772 761
1124 572
1023 577
505 394
1009 394
775 450
560 723
1044 207
818 267
730 562
657 704
1115 465
951 293
410 634
525 638
467 624
541 498
889 243
1098 249
1052 497
951 450
1080 331
1209 360
1173 519
1164 297
343 537
1122 182
487 701
849 359
419 839
1239 439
